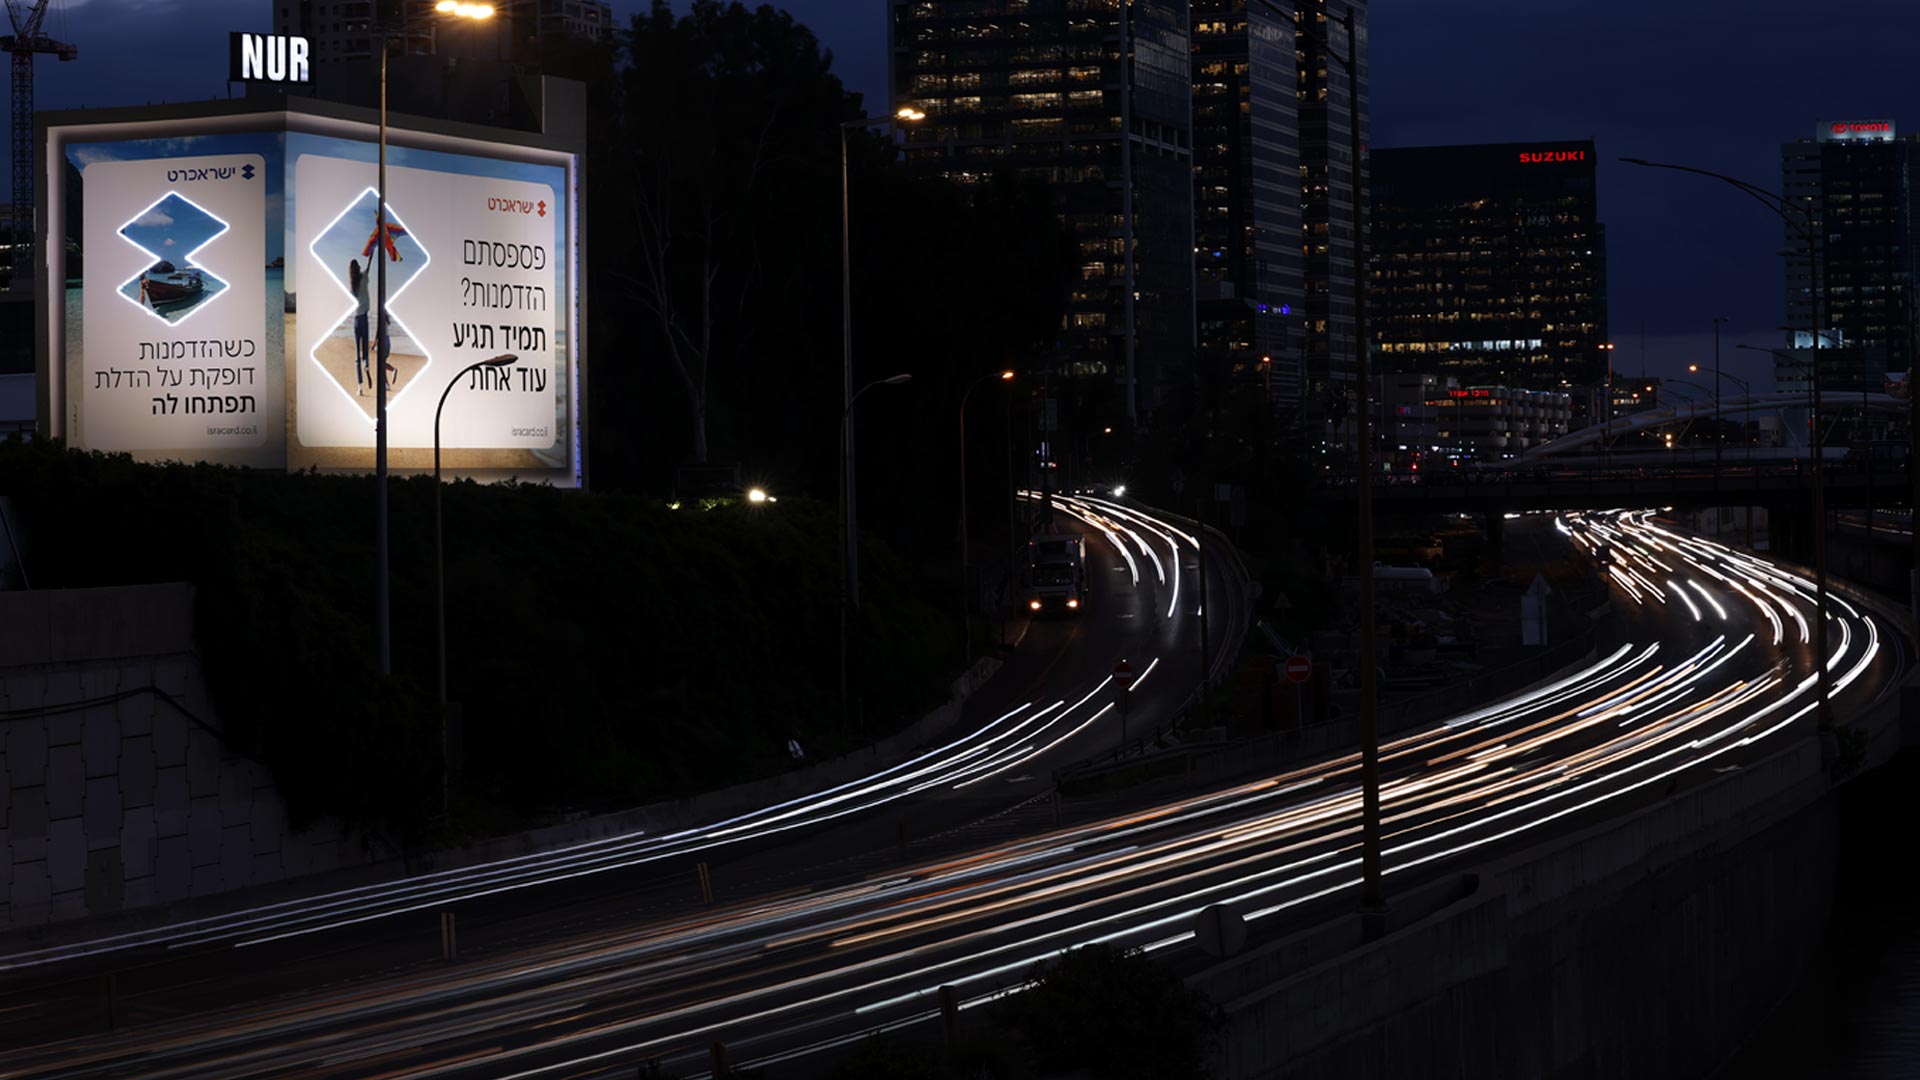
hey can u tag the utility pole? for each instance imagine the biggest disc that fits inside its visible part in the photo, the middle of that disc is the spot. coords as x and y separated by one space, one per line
1803 223
1372 894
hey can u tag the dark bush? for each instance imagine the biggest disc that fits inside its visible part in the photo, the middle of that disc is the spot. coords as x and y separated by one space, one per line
608 651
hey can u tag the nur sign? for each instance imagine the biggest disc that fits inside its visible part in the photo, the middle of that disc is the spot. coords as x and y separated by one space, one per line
272 58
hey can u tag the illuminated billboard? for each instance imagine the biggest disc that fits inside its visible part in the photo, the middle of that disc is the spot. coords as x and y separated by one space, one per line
171 339
214 291
1855 131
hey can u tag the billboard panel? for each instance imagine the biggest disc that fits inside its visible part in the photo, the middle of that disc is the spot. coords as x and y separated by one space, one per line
210 310
475 266
170 345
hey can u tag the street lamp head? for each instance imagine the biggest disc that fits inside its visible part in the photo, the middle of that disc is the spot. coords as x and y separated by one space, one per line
1006 376
1636 161
756 495
896 380
462 10
909 114
500 361
1693 369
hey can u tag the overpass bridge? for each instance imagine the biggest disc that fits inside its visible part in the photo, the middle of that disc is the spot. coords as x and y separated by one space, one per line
1683 412
1782 486
1784 489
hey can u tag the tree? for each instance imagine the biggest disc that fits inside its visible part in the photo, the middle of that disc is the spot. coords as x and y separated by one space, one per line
726 111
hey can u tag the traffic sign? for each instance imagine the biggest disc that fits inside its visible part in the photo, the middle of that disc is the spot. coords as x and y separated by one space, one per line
1299 669
1123 674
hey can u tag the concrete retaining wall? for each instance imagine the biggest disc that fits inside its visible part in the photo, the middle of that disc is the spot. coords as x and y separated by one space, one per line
1647 946
125 802
114 800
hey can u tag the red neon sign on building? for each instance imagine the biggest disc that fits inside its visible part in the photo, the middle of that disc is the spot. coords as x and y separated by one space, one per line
1541 157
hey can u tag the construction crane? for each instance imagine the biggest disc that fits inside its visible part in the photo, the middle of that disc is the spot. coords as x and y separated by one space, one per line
25 41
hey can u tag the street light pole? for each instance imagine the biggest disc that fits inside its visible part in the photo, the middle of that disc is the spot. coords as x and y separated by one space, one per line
852 569
1823 708
966 602
1719 433
382 603
440 570
382 609
1606 439
846 498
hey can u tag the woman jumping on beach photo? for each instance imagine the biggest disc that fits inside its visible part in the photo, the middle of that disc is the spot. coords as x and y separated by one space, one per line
357 284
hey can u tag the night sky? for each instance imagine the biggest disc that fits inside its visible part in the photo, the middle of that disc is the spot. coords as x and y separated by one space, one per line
1718 84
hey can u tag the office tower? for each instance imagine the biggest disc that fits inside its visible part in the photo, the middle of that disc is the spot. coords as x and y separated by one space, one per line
1329 180
1249 264
1096 99
1488 264
1856 177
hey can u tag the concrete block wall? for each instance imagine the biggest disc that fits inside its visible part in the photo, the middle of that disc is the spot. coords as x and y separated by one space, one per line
127 804
110 798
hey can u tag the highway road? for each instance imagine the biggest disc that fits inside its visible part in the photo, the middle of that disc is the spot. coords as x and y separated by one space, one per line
1712 668
1052 703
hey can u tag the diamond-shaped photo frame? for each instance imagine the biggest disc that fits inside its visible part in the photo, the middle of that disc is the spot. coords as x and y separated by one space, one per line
172 231
352 238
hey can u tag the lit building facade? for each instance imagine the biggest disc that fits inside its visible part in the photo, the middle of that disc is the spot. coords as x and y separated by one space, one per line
1330 182
1489 423
1407 422
1856 175
1488 263
1249 265
1096 99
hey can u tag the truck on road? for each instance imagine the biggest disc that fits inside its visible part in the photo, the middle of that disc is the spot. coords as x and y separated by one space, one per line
1056 572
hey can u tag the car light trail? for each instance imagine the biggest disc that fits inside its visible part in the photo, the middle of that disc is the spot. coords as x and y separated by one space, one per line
793 976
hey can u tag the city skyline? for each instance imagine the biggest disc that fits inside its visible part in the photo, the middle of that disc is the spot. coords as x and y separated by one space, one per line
1702 89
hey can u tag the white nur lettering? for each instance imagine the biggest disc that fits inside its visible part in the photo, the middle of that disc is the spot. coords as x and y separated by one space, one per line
273 58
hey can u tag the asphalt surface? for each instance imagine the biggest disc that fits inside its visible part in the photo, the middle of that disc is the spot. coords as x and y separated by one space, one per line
1051 703
1712 669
